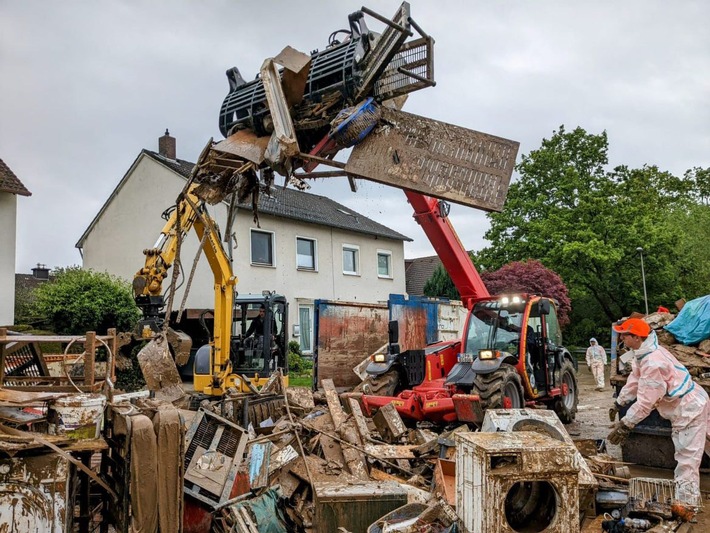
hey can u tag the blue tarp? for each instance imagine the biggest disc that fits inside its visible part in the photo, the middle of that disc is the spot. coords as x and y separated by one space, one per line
692 325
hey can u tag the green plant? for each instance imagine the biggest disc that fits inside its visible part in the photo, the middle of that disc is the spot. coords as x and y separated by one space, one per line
297 363
78 300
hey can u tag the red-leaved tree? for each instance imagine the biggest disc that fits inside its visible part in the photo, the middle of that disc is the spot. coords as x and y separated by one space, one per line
532 277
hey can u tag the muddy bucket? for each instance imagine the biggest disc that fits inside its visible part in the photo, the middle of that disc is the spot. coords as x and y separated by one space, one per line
77 417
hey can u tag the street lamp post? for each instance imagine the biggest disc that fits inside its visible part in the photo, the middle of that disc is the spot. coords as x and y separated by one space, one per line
643 277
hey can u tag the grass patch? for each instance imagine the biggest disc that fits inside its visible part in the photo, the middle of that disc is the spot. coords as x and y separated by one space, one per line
300 380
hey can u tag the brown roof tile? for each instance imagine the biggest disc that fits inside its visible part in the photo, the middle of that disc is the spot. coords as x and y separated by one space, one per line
11 183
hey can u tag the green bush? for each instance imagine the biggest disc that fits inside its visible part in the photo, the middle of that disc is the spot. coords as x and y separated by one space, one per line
78 300
298 364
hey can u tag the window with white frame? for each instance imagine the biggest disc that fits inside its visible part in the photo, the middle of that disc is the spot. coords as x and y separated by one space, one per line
262 248
384 264
305 312
351 259
306 255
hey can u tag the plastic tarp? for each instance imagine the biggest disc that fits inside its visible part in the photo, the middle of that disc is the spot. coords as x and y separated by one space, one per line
266 511
692 325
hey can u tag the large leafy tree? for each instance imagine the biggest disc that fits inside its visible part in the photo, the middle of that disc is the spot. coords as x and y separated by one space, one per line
519 276
531 277
587 223
78 300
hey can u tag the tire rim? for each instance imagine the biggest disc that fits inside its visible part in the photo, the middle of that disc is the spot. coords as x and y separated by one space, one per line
511 392
568 400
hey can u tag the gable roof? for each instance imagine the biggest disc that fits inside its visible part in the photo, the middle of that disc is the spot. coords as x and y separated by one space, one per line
11 183
299 205
417 272
283 202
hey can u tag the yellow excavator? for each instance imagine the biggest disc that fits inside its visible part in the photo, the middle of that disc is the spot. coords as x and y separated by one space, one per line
233 358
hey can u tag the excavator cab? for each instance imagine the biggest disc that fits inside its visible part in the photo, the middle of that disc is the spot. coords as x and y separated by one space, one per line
258 344
259 339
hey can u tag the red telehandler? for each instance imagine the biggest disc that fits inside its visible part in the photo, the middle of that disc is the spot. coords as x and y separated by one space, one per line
510 356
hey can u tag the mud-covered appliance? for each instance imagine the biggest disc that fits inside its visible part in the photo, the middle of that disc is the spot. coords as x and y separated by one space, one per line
531 480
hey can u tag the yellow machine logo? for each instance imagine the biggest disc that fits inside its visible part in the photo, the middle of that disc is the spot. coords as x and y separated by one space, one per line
397 403
431 404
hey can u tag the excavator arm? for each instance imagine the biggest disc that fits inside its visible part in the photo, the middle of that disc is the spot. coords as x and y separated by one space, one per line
431 215
189 213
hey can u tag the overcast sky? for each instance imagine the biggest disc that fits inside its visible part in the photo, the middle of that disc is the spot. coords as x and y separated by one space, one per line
84 86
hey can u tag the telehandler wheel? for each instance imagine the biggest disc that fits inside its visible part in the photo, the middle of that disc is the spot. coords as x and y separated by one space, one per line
500 389
566 406
383 385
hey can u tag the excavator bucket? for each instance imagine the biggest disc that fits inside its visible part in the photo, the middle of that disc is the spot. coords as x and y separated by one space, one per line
159 369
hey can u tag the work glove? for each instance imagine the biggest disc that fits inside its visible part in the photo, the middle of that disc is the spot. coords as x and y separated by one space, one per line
619 433
613 411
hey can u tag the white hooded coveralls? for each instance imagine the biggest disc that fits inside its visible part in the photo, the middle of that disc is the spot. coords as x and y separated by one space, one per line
658 381
596 359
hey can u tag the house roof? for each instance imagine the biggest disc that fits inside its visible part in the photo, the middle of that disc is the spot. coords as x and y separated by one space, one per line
283 202
299 205
28 282
11 183
417 272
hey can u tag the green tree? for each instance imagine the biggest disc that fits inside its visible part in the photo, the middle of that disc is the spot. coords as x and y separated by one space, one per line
530 277
439 285
78 300
586 223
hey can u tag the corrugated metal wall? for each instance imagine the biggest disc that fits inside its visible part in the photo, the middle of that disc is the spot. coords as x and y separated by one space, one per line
348 332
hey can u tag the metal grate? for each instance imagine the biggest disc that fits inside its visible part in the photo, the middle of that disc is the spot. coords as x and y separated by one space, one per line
217 434
411 69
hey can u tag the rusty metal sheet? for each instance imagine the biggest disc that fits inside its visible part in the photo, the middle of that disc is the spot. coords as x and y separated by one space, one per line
346 334
437 159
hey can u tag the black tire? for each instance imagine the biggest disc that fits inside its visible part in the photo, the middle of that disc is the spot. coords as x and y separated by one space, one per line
494 387
382 385
566 406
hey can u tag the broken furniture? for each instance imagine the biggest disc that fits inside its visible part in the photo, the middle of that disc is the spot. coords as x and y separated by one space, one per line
23 366
509 480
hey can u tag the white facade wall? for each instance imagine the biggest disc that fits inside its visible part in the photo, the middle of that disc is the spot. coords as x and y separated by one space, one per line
132 222
8 225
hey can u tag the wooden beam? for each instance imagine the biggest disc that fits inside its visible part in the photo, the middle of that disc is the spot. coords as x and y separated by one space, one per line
89 358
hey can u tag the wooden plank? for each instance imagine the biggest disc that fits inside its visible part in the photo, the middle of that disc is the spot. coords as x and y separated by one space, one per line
48 338
89 358
55 388
259 464
332 451
334 405
113 346
3 349
359 418
388 451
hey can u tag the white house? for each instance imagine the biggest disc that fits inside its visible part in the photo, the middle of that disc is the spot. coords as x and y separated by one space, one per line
10 188
306 246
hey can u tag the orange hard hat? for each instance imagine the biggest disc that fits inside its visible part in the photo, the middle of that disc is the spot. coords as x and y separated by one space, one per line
634 326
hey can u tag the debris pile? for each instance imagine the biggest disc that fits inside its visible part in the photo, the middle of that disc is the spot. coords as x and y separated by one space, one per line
309 464
695 357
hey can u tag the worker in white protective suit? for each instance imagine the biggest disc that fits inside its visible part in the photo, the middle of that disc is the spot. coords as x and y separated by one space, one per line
658 381
596 361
